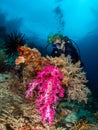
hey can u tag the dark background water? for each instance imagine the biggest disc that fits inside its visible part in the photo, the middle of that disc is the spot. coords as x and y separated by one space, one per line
77 19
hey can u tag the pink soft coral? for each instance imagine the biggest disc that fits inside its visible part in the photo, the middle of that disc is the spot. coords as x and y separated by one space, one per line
48 82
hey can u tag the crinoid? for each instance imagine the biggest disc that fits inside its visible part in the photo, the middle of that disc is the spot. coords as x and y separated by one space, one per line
12 42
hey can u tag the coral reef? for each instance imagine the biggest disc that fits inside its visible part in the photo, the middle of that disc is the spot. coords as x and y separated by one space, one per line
83 125
96 115
2 61
74 78
4 66
51 78
15 111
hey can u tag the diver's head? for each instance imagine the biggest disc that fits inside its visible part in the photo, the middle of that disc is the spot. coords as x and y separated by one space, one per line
55 40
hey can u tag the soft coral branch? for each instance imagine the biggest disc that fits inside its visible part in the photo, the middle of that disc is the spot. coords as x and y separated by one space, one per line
50 90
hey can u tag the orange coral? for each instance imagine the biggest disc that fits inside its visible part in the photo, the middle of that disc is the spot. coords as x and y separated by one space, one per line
24 128
30 55
23 50
19 60
32 63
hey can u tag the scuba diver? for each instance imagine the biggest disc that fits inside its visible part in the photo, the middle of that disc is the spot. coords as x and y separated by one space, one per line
63 45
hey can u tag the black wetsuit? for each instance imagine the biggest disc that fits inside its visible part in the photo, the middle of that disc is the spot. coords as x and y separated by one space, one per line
70 50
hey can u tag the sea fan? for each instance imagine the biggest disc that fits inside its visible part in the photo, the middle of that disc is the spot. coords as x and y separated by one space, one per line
48 83
12 42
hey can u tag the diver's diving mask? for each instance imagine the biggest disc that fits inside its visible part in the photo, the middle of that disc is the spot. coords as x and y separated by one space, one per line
57 45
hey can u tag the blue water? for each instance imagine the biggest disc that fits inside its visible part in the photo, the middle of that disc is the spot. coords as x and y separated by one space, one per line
36 19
